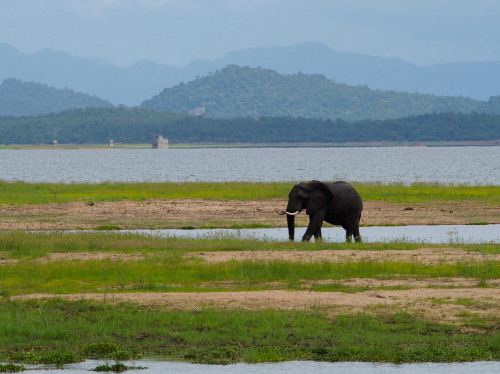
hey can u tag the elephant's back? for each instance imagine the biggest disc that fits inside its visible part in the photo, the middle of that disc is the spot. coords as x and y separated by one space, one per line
346 195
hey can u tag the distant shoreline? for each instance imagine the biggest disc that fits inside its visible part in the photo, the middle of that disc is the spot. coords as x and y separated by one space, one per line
488 143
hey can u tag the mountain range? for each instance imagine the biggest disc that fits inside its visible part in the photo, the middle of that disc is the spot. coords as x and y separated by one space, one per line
236 91
18 98
141 81
245 92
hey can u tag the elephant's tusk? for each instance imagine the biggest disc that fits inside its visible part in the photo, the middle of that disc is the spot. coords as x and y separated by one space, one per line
282 212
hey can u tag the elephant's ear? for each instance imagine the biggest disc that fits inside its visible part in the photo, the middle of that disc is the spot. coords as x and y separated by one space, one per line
319 197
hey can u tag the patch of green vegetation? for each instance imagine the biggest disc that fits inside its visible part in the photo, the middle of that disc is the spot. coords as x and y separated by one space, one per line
335 287
30 245
57 358
117 367
11 368
57 331
165 272
421 192
209 336
458 301
106 350
108 228
43 193
166 265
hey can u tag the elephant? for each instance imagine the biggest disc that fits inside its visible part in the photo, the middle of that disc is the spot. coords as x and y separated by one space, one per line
337 203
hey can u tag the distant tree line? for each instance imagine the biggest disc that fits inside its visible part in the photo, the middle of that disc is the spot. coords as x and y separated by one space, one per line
134 126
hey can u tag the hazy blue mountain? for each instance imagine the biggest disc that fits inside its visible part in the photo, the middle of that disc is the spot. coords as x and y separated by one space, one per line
478 80
19 98
236 91
128 86
134 84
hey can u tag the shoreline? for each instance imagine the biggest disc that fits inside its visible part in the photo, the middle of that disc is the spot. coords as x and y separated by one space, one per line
489 143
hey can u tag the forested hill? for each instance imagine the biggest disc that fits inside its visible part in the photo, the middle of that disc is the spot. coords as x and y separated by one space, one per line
254 92
19 98
139 125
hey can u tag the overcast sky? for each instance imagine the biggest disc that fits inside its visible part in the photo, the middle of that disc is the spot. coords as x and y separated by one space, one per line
177 32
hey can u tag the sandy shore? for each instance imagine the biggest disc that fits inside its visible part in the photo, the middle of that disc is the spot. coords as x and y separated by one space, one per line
198 213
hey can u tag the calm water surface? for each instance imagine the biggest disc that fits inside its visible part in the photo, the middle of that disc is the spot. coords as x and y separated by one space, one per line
441 234
294 367
455 165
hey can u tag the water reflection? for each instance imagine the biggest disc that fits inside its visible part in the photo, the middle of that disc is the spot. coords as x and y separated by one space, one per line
292 367
441 234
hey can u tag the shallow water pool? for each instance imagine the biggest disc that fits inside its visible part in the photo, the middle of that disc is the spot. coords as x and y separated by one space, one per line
441 234
291 367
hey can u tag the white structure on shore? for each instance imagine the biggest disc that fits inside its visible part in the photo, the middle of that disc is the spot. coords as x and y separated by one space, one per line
159 142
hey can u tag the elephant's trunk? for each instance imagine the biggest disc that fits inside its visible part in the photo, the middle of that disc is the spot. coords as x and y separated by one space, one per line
290 219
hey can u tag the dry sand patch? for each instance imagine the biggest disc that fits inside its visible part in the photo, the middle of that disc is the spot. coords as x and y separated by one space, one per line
176 213
428 256
279 299
89 256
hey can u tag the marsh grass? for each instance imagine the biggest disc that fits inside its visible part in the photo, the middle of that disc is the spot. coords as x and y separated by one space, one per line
30 245
107 276
42 193
161 265
57 331
209 336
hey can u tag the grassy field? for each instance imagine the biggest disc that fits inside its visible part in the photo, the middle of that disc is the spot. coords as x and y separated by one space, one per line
71 331
161 265
59 331
42 193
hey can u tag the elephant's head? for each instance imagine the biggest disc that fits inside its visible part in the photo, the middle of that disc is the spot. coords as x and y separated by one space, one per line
312 197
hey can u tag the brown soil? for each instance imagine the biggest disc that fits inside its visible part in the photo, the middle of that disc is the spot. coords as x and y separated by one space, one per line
427 256
198 213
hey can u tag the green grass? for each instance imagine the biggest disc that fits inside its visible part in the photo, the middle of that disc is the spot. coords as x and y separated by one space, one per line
56 331
60 330
166 274
30 245
42 193
421 192
163 266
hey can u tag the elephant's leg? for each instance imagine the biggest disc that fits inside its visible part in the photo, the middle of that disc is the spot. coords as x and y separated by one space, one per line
348 233
315 222
357 237
348 237
317 235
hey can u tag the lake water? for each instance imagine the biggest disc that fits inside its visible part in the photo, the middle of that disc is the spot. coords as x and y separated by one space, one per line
449 165
293 367
441 234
